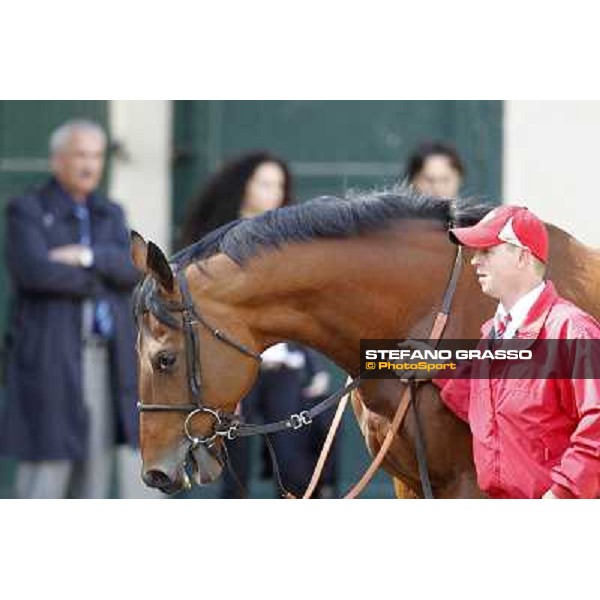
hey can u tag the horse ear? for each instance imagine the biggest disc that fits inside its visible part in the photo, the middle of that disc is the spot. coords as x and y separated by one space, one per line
158 267
139 252
149 259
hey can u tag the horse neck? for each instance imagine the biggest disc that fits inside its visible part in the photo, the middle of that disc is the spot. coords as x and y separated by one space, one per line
575 270
329 294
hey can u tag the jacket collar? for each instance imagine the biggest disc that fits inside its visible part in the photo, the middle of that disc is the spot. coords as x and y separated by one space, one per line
521 307
536 317
63 206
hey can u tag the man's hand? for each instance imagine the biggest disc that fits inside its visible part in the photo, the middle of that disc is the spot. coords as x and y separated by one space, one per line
419 376
549 496
74 255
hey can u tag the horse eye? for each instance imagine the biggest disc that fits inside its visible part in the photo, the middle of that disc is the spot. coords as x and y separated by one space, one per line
165 361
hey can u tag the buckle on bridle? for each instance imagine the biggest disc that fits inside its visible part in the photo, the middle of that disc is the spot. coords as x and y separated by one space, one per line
230 432
300 420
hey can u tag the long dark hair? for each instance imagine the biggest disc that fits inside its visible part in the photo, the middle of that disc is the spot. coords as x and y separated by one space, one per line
221 199
417 159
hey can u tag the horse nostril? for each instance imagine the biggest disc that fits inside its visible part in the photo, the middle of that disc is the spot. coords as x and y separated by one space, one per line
157 479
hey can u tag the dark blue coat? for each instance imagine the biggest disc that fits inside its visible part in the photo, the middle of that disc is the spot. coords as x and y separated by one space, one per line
44 417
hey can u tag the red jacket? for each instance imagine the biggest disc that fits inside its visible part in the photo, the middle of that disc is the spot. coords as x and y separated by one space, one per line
531 435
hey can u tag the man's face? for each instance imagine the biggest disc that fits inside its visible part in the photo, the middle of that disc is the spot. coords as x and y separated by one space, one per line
79 164
499 269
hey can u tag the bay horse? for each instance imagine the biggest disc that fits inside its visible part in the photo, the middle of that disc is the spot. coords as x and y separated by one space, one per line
326 273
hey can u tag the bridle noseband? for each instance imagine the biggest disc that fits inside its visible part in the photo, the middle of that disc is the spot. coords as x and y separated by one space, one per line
147 299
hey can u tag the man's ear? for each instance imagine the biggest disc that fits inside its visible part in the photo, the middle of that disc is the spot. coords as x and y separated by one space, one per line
149 259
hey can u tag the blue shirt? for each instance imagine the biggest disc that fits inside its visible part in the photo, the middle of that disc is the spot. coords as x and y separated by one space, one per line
97 316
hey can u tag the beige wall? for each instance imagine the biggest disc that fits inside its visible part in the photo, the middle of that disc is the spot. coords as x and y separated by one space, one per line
551 164
141 175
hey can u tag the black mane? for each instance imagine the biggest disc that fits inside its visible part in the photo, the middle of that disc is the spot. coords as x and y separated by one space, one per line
329 217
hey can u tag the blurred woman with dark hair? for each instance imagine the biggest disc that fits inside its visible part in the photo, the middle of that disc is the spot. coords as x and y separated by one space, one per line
245 187
435 169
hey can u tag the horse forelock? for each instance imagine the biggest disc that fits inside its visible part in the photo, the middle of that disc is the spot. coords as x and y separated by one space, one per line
140 295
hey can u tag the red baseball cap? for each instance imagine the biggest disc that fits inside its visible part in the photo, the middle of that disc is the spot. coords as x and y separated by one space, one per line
514 225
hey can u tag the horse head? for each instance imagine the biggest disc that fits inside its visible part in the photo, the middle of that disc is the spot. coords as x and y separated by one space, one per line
195 363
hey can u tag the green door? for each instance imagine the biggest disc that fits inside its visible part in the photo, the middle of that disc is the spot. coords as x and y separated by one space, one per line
25 127
332 146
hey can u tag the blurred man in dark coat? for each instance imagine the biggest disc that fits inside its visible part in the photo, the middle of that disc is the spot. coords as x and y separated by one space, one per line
71 376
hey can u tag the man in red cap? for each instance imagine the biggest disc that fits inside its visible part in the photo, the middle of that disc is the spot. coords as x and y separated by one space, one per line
533 437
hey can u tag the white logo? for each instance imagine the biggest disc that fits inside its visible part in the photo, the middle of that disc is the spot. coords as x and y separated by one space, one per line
489 216
508 235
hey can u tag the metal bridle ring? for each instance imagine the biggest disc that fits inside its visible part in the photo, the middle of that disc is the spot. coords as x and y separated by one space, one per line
207 440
